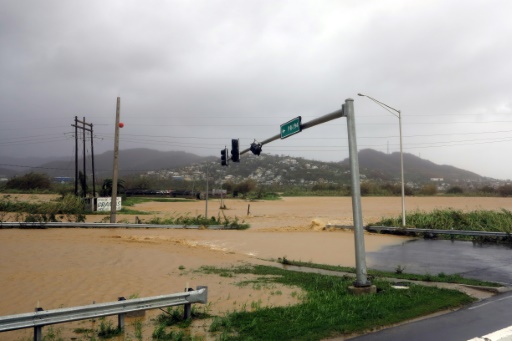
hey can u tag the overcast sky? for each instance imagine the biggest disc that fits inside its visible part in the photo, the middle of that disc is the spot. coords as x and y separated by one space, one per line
192 75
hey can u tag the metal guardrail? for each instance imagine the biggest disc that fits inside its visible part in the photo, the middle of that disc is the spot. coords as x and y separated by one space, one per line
41 318
432 231
42 225
437 231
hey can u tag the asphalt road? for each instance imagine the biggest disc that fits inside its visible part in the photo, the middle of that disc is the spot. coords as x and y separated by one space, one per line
477 320
485 262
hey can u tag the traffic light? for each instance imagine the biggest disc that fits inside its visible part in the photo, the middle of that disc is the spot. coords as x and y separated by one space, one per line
256 148
224 157
235 152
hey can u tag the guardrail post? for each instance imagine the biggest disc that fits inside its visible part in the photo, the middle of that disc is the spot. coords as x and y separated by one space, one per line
187 308
120 317
38 330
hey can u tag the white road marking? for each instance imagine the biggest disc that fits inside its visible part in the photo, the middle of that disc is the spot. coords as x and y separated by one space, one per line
504 334
486 303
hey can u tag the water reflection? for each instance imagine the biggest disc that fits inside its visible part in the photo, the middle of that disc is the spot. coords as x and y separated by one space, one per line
489 262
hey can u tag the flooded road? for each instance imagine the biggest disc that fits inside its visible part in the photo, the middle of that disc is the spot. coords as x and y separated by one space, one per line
56 268
487 262
68 267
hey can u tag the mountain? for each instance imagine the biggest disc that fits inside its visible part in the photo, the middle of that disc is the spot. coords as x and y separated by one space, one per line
373 165
11 166
139 160
379 165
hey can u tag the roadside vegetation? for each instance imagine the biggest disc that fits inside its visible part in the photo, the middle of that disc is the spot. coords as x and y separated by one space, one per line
68 208
200 220
327 308
450 219
72 209
379 188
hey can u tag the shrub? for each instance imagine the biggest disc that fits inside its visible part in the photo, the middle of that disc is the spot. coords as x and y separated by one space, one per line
505 190
429 189
455 190
30 181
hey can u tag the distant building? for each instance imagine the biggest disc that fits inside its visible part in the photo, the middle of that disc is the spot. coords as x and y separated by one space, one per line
63 179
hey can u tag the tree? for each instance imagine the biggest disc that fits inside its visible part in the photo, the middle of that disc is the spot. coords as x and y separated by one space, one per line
488 190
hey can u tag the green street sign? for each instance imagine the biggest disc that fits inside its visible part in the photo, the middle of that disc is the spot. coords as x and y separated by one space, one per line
291 127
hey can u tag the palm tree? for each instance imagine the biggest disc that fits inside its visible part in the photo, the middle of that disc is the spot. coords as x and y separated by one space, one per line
106 188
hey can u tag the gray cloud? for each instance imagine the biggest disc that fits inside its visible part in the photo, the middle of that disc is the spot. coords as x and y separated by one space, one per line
192 75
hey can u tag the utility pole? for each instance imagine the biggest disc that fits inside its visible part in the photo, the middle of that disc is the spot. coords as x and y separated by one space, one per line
92 164
206 196
113 203
84 185
84 128
76 155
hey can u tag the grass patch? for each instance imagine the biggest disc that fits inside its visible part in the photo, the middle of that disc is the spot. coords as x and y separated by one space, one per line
171 325
130 201
125 210
201 221
108 330
398 274
328 309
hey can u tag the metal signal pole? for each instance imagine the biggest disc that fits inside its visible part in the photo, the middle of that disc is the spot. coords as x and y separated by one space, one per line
362 284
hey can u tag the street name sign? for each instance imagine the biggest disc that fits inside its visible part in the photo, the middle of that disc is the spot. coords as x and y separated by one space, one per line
291 127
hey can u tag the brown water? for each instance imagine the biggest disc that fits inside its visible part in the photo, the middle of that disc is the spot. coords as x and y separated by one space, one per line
56 268
72 267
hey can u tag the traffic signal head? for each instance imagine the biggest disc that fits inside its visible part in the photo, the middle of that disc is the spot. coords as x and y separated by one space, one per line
235 152
256 148
224 157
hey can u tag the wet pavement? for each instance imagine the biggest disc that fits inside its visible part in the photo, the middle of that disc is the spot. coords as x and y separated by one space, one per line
489 262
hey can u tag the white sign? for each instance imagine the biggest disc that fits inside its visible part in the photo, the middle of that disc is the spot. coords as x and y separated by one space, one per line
103 204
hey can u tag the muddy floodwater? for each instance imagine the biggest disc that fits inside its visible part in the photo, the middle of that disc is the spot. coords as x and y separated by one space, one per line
68 267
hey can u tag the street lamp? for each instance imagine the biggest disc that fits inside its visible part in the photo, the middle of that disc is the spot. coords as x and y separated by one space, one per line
388 108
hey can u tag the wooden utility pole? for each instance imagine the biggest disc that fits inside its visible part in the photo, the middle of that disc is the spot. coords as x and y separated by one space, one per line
76 155
113 203
92 165
84 185
84 128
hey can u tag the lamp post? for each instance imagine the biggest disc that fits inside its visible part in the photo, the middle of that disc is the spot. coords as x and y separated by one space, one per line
399 115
